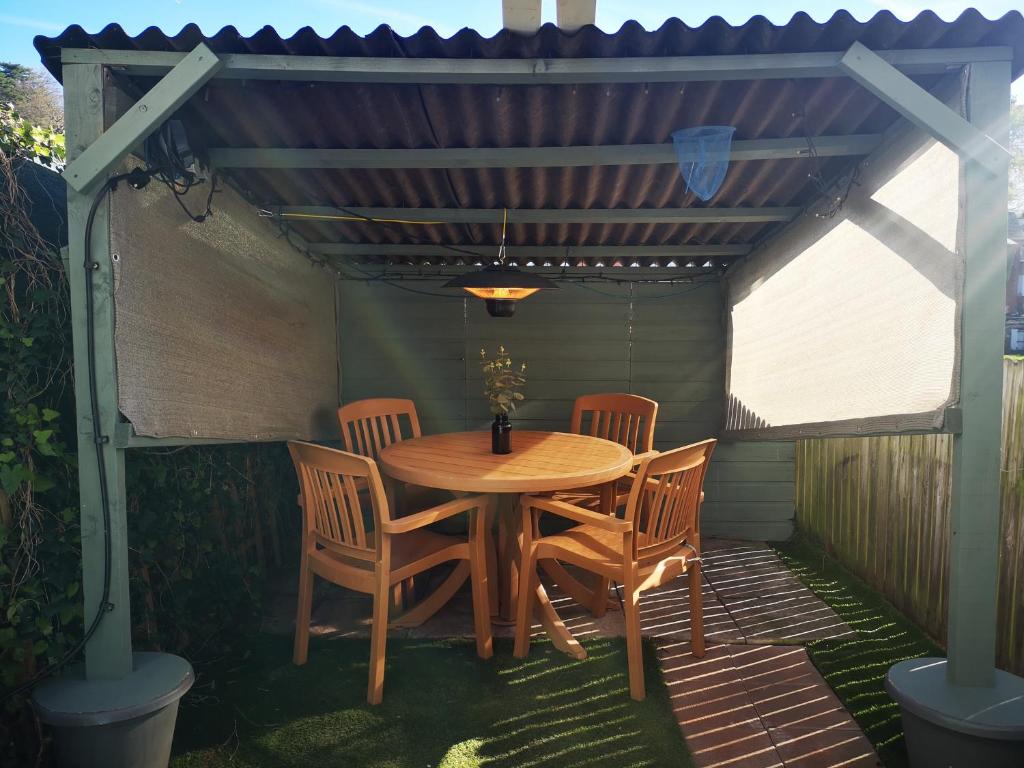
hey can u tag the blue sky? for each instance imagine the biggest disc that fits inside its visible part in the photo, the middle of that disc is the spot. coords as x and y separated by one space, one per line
20 20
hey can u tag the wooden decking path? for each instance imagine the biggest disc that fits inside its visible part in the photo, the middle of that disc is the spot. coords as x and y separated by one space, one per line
754 701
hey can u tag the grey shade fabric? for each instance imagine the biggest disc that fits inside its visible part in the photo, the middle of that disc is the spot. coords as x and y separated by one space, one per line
223 330
850 325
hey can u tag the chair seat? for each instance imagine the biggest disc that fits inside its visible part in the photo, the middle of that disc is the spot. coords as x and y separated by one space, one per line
584 544
597 550
590 496
406 548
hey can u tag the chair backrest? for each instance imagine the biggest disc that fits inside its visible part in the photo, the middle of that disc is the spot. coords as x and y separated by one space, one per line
369 426
334 512
664 502
624 419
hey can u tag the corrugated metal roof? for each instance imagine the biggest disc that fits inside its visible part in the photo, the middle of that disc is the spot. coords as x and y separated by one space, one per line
332 115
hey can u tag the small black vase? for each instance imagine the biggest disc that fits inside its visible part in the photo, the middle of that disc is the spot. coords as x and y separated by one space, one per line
501 434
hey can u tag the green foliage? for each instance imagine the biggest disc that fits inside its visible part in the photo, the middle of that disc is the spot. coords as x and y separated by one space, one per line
204 523
20 138
40 571
33 93
12 81
502 381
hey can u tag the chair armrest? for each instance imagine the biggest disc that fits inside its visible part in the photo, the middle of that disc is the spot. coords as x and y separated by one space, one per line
432 515
640 458
579 514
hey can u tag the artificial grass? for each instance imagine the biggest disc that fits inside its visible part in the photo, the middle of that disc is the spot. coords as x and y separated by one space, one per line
442 707
855 667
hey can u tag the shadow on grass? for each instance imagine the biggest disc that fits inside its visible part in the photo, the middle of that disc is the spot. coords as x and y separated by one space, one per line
855 667
442 707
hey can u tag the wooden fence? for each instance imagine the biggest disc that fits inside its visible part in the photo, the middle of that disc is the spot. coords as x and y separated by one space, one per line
881 506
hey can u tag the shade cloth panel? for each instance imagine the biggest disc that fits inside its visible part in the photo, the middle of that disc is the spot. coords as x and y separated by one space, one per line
222 330
850 324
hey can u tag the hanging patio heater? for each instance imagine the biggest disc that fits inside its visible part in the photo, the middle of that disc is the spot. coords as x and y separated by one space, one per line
501 285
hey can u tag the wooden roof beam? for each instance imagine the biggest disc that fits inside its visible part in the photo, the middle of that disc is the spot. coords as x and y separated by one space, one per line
572 71
322 213
489 252
529 157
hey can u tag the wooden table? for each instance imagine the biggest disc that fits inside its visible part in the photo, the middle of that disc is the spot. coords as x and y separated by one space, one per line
540 462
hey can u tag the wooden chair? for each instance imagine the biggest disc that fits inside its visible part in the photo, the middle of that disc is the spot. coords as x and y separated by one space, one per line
657 540
369 426
338 546
627 420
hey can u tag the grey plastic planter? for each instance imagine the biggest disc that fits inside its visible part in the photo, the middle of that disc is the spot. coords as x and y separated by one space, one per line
953 726
125 723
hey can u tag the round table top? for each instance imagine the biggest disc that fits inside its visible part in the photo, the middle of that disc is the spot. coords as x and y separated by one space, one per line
539 462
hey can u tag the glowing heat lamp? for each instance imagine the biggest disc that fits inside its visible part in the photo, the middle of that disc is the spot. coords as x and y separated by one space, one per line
500 285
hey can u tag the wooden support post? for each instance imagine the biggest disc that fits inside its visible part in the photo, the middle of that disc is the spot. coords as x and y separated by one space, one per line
974 547
108 654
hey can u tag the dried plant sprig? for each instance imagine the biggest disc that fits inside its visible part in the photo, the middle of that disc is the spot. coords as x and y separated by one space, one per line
502 381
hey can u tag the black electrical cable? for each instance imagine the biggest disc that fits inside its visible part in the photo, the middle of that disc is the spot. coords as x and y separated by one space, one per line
138 179
171 171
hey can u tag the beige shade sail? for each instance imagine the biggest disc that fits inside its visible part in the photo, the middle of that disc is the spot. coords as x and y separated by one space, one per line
850 324
223 330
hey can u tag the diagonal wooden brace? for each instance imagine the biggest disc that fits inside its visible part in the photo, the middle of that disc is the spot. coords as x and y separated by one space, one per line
924 110
146 116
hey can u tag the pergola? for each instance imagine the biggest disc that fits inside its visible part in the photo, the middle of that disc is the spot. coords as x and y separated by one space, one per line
438 138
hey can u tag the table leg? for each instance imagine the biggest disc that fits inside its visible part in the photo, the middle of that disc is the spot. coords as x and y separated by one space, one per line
511 556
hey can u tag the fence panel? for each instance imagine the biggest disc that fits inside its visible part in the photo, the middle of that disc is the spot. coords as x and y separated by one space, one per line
881 506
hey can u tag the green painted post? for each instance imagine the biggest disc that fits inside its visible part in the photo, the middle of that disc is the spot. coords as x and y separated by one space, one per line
108 654
974 544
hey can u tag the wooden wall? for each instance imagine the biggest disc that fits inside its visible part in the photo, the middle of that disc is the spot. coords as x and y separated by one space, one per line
662 341
881 506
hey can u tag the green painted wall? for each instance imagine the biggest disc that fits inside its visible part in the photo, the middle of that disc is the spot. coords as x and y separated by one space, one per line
661 341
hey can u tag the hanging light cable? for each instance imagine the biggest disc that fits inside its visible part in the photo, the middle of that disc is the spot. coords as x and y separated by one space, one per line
500 285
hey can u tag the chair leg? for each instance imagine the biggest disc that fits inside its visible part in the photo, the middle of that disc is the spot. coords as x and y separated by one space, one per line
303 613
634 646
600 598
525 605
479 540
396 597
378 638
696 611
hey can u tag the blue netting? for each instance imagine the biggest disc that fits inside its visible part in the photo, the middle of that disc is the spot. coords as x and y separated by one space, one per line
703 155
